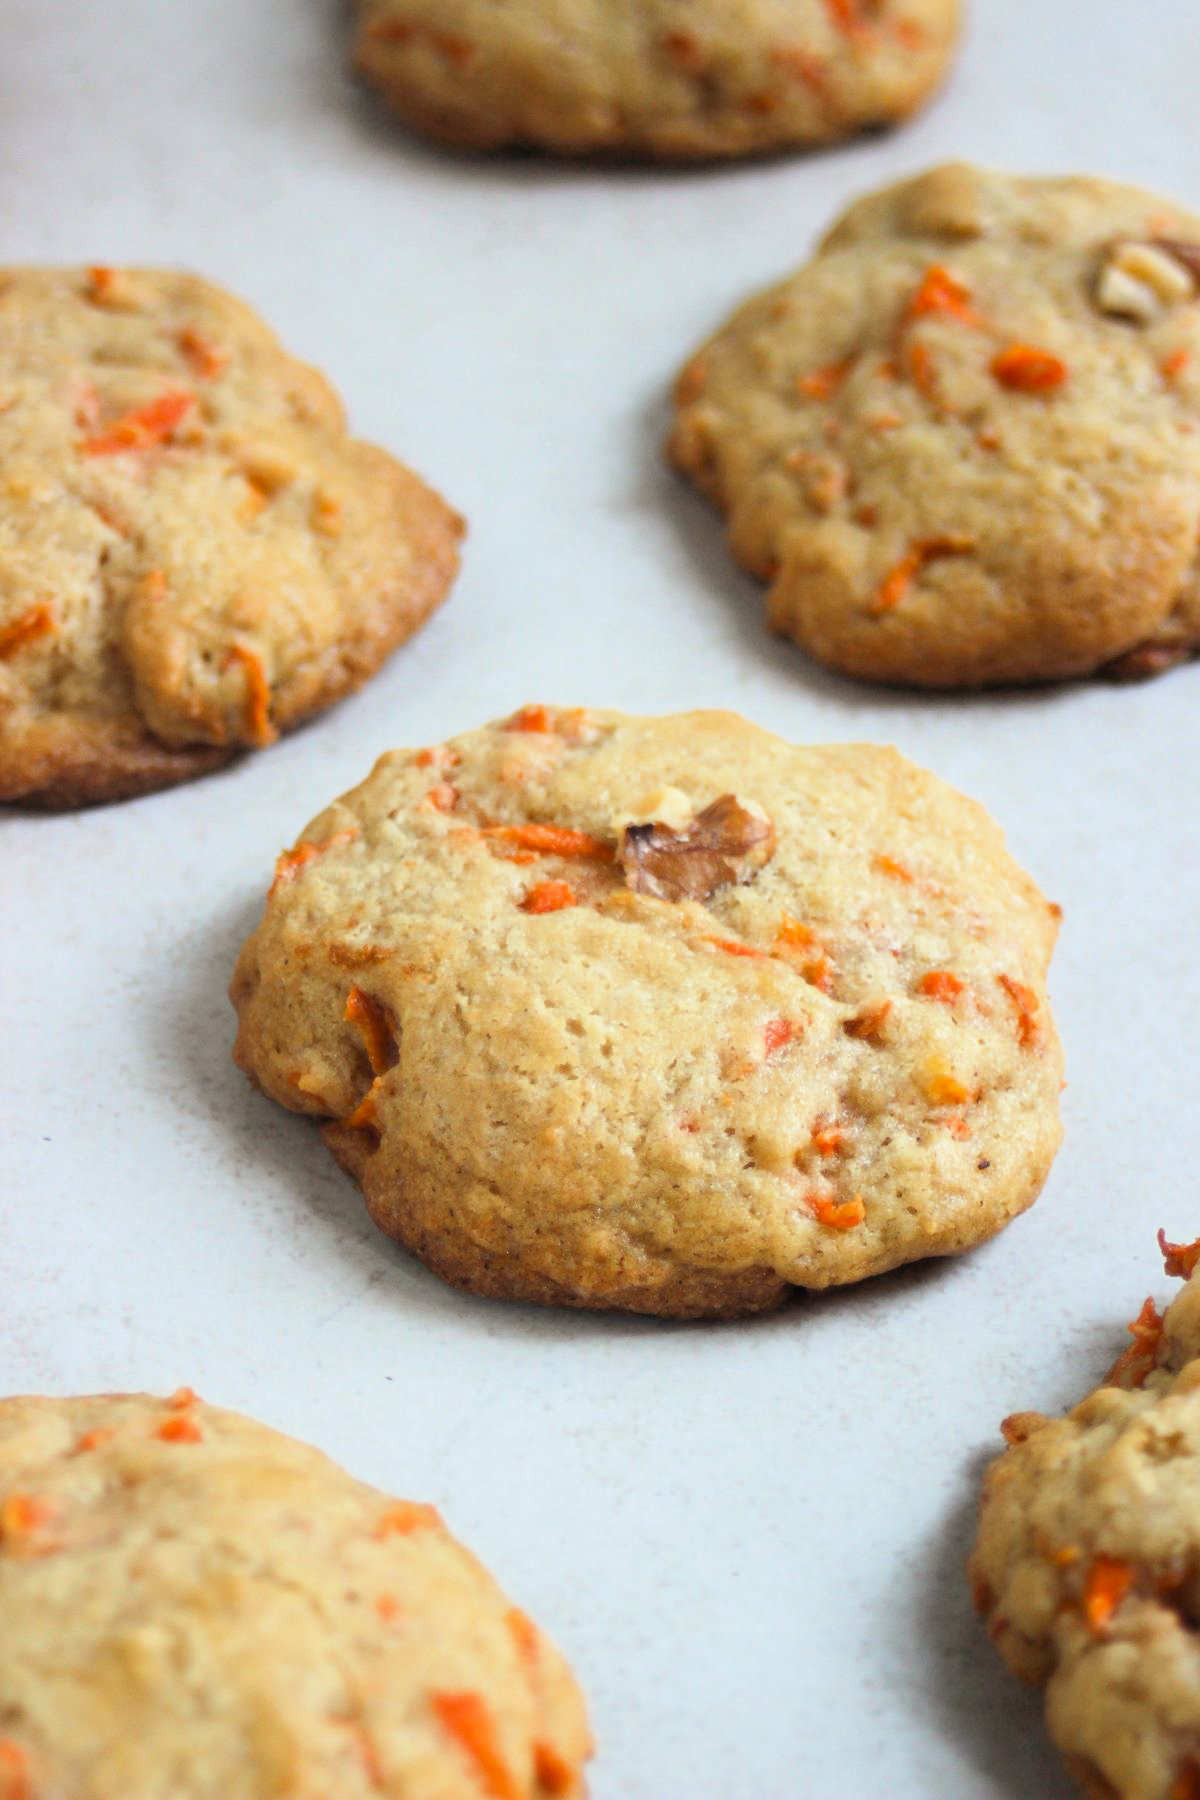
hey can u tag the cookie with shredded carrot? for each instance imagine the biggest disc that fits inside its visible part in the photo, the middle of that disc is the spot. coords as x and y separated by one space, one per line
649 77
962 445
1086 1561
196 1605
194 555
664 1015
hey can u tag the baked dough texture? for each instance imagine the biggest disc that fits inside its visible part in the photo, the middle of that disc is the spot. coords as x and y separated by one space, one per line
962 445
1086 1564
194 555
196 1608
660 1014
660 78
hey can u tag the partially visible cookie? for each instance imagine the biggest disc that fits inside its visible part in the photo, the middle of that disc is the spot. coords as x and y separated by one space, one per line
195 1606
1087 1564
703 78
194 555
660 1014
963 444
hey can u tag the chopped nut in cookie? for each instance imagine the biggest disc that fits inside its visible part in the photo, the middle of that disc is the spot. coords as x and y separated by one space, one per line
727 843
1142 281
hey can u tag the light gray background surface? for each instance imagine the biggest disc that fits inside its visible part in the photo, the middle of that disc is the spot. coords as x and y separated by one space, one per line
749 1538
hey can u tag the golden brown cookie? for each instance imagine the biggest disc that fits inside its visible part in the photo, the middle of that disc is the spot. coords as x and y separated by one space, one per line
660 1014
194 555
196 1608
1087 1562
963 444
664 78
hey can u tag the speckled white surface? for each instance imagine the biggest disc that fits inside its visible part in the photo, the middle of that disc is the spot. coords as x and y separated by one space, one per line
749 1538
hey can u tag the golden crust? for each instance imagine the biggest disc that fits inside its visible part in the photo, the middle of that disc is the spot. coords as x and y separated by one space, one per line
193 554
950 447
555 1088
193 1603
588 77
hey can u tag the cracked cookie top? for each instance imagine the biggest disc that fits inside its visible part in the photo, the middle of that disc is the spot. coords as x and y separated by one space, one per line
193 553
654 77
963 444
664 1014
194 1604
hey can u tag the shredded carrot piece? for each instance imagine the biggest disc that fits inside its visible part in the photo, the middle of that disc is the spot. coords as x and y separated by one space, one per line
845 16
388 1607
443 797
909 33
1026 1003
1174 364
793 933
870 1023
942 1085
1137 1359
827 1139
956 1125
821 383
206 358
897 581
364 1113
259 729
182 1398
467 1718
940 984
38 622
731 948
548 897
524 1633
22 1515
145 426
551 840
530 718
1028 370
1179 1259
920 363
14 1772
289 863
837 1215
92 1440
1108 1582
813 73
942 292
819 973
777 1033
887 865
179 1429
554 1774
375 1024
100 281
440 756
405 1517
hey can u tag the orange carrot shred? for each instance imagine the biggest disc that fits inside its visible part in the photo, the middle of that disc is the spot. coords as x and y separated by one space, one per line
821 383
388 1607
777 1033
1179 1259
467 1718
1027 370
827 1139
554 1774
1138 1359
956 1125
819 973
179 1429
14 1772
405 1517
182 1398
732 948
793 933
290 862
1174 364
530 718
551 840
524 1633
548 897
21 1515
887 865
868 1024
259 729
364 1113
942 292
439 756
845 17
1108 1582
38 622
374 1022
206 358
837 1215
940 984
898 580
145 426
92 1440
443 797
1026 1003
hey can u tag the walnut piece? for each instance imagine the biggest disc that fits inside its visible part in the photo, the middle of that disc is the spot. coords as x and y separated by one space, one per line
1142 281
725 844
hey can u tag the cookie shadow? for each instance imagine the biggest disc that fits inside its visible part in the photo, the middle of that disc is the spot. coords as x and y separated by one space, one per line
955 1680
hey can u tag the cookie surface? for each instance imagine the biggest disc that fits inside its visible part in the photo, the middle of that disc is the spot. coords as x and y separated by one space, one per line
669 78
660 1014
963 444
1086 1560
193 553
196 1606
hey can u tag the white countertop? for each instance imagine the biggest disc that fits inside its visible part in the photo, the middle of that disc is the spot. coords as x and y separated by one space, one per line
748 1538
